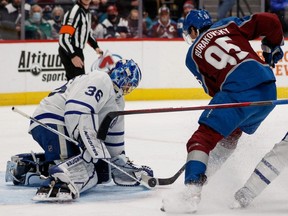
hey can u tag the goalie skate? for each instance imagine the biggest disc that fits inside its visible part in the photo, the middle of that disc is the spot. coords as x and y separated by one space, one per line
59 192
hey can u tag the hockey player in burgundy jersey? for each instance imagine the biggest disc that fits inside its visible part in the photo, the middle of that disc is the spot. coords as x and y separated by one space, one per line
230 71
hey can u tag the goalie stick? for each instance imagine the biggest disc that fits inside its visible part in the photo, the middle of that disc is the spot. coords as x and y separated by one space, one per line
144 183
147 181
104 126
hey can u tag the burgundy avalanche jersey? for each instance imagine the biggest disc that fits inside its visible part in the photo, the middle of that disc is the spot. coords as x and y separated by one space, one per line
158 30
223 59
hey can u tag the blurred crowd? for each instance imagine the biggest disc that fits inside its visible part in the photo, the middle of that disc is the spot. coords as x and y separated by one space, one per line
110 18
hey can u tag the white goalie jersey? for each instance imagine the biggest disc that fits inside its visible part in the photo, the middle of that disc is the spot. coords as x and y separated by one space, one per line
91 94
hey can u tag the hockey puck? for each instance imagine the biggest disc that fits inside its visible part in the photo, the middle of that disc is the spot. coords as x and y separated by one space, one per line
152 182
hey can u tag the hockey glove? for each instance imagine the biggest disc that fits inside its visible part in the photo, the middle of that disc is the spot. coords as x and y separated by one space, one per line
271 55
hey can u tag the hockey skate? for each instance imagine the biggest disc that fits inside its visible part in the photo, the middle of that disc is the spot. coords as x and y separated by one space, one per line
54 191
122 179
186 201
27 169
243 198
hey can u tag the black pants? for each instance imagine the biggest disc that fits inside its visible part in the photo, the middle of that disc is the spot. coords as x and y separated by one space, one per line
71 70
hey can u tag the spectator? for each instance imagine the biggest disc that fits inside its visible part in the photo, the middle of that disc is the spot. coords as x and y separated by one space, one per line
147 20
3 4
36 27
278 7
31 1
57 17
10 20
187 7
96 10
125 6
151 7
133 20
47 12
133 23
164 27
104 4
224 7
65 4
113 26
44 2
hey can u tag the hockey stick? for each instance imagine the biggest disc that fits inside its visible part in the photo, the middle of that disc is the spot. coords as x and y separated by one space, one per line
104 126
44 125
152 181
147 181
144 183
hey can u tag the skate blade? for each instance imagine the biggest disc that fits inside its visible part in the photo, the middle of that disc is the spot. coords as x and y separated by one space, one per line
62 197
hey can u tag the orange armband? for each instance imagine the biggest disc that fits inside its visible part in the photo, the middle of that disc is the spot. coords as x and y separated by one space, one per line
67 29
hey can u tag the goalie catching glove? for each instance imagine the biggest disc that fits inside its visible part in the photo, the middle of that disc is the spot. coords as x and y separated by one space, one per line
271 54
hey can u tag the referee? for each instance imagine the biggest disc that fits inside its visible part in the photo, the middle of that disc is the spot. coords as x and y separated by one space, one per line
73 36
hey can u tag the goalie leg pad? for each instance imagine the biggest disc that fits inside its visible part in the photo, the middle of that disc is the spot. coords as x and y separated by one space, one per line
69 178
125 164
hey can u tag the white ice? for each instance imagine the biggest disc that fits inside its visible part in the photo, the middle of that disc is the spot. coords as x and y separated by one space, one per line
157 140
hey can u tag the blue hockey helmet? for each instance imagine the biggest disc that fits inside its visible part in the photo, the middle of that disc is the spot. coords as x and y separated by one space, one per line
198 19
125 76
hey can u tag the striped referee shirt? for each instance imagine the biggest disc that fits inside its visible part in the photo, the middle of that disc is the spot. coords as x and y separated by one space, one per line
76 31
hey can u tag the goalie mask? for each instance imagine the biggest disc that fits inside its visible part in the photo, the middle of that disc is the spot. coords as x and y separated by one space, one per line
198 19
125 76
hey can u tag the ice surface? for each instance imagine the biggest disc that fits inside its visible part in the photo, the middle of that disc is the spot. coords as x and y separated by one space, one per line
157 140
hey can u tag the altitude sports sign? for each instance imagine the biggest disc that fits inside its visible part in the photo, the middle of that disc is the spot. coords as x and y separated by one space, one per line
30 70
48 65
